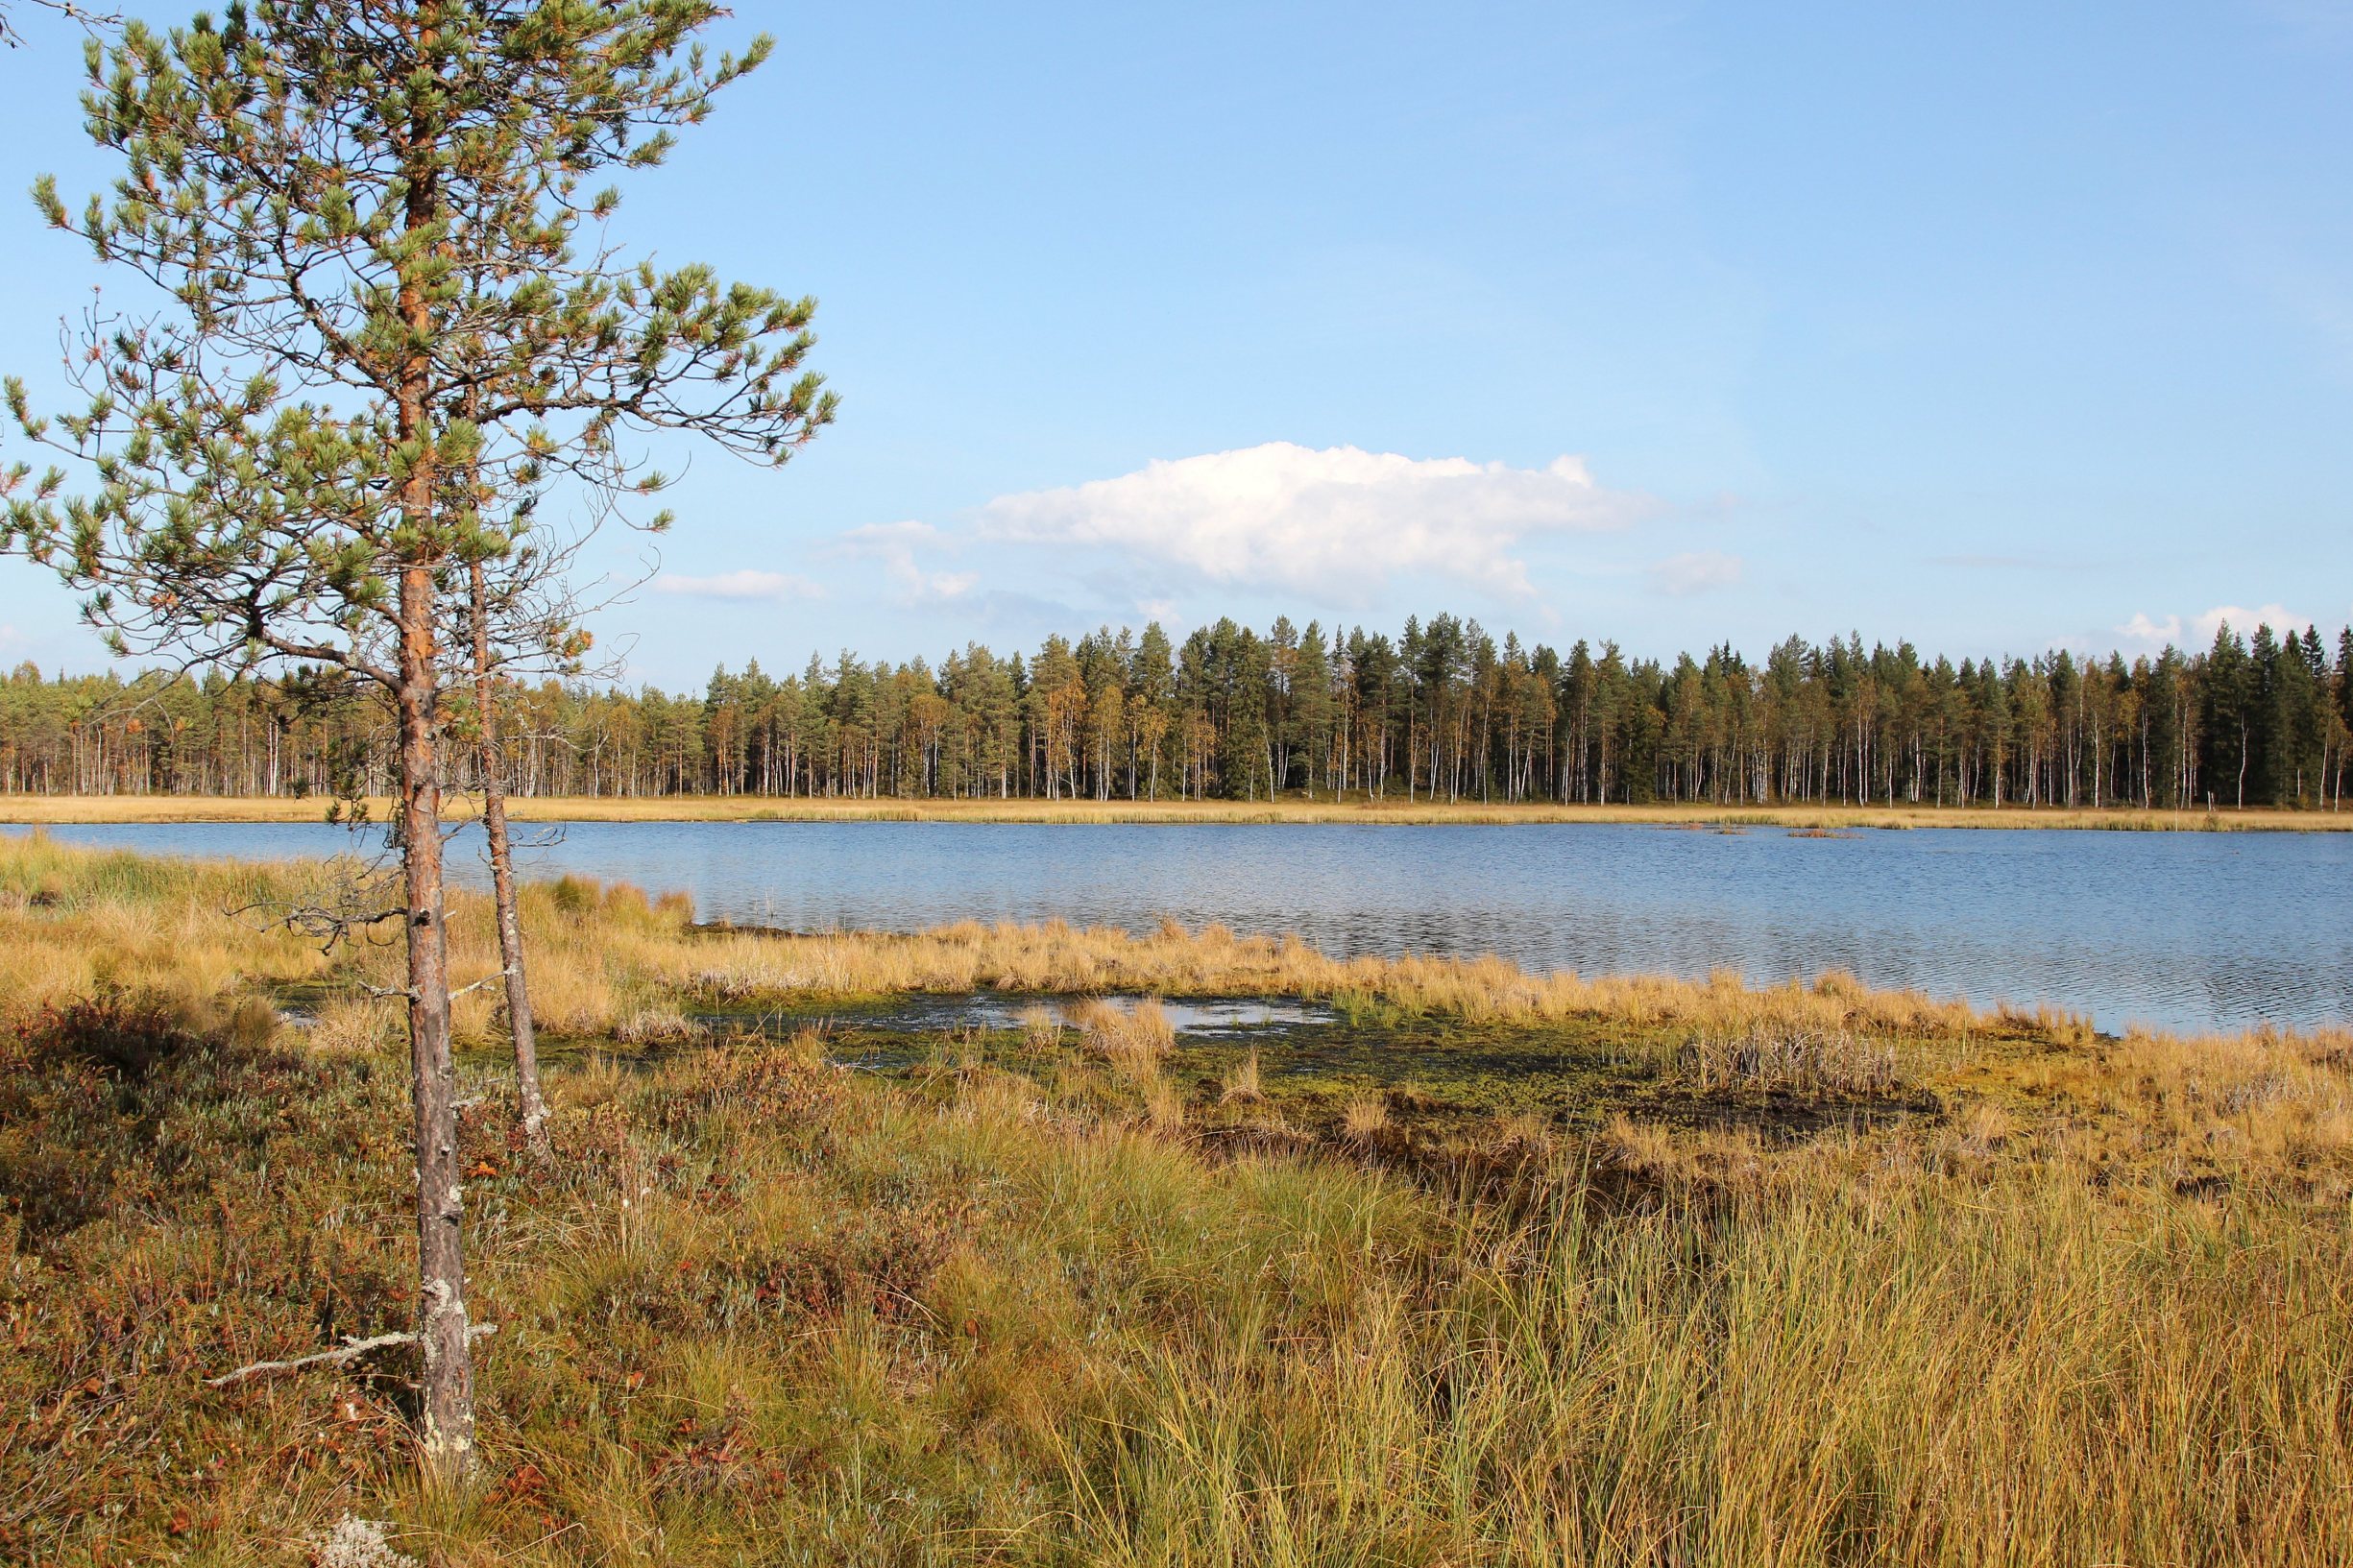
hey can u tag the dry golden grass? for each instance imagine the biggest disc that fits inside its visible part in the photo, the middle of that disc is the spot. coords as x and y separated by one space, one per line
2091 1310
742 967
76 922
1134 1039
769 1311
1039 1027
1363 1116
1815 820
1242 1084
1804 1060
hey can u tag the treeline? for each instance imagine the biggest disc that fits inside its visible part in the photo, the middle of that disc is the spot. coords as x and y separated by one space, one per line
1442 711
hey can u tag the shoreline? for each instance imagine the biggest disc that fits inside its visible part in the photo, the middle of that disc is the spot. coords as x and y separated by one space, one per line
92 810
1471 1222
1038 955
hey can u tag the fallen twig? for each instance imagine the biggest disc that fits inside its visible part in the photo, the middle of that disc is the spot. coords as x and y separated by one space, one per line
494 974
353 1349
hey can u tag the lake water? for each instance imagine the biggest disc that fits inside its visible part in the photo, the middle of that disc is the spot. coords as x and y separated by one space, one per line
2183 930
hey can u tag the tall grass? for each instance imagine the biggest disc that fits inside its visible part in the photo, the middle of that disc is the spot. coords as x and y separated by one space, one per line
764 1310
745 967
1799 1060
768 1310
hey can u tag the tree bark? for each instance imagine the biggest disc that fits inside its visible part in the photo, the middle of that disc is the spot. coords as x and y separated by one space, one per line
533 1103
442 1340
440 1266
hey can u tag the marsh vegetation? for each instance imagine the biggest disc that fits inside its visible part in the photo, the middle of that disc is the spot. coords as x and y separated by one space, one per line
1446 1262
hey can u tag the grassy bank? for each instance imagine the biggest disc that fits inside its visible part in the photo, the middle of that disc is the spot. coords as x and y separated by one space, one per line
1812 1274
1395 810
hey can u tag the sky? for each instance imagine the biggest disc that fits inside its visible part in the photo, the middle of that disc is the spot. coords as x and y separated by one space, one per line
1994 327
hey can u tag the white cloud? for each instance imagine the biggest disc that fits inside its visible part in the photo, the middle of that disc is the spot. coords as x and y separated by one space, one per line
745 584
2142 631
895 543
2196 632
1696 571
1335 523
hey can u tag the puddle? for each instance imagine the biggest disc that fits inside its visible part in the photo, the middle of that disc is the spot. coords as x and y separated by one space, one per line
1445 1075
904 1031
1204 1019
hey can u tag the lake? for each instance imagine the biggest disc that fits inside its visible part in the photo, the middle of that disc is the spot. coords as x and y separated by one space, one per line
2183 930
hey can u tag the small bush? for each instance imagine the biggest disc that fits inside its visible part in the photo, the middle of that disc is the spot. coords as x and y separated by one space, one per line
123 1032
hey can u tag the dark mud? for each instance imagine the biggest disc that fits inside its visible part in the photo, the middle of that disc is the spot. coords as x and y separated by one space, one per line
1444 1080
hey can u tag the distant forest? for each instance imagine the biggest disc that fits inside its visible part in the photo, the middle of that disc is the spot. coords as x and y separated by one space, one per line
1442 711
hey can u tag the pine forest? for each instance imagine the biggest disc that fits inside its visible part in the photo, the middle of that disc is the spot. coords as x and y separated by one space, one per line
1442 711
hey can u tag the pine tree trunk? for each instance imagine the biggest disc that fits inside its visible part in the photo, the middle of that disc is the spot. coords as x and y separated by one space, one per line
533 1103
446 1356
447 1383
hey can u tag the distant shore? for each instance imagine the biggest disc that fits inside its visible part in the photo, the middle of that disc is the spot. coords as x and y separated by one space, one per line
36 810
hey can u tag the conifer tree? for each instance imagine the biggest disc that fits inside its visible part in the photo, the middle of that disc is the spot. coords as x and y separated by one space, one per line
364 215
2344 706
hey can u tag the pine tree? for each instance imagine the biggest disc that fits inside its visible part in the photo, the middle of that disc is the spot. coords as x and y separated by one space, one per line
2225 715
2343 682
1311 706
381 347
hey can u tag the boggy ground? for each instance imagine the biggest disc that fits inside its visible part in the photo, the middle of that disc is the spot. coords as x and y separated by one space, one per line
1419 1090
1815 1274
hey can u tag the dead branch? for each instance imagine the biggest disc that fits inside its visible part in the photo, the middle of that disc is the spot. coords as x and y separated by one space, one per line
354 1349
90 20
494 974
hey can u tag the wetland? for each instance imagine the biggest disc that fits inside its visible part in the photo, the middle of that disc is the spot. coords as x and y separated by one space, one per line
2185 932
1063 1239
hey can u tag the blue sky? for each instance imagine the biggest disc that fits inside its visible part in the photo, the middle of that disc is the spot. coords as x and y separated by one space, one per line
1996 328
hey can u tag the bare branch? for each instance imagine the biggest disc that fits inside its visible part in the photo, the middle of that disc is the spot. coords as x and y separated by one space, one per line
494 975
91 20
353 1349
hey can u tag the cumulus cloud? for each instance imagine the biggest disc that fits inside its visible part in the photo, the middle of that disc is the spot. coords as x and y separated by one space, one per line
1696 571
2195 632
1335 523
745 584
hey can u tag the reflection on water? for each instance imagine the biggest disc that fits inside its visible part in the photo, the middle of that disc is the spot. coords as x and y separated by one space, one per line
907 1025
1196 1018
2186 931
